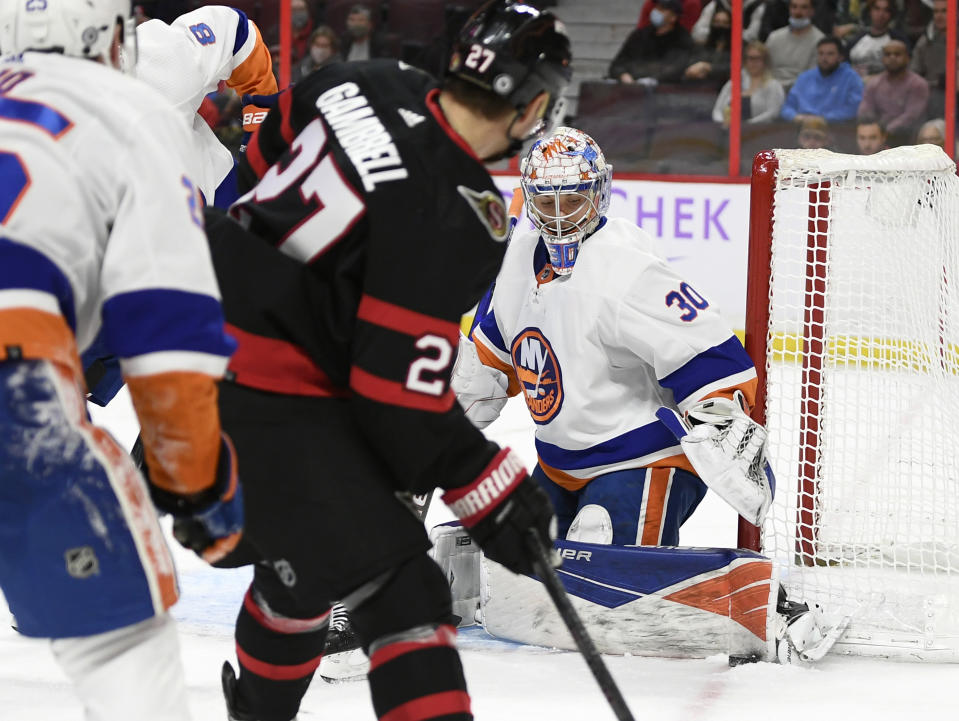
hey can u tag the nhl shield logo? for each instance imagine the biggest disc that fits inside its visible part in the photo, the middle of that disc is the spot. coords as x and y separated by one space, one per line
539 374
82 562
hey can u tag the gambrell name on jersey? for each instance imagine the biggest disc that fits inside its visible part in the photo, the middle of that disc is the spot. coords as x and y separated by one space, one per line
362 135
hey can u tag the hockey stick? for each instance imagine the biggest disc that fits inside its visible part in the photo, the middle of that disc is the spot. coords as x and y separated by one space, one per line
576 628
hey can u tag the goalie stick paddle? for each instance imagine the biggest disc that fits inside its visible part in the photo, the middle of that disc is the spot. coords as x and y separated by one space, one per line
576 628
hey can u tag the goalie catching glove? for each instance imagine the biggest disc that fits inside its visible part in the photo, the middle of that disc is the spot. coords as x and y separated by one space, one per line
209 523
501 507
727 449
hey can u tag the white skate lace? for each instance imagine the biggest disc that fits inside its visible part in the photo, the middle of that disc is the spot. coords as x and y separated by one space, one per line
339 620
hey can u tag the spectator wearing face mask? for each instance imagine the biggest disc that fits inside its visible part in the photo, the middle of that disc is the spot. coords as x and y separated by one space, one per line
688 18
361 41
660 52
752 17
792 49
710 66
302 26
324 50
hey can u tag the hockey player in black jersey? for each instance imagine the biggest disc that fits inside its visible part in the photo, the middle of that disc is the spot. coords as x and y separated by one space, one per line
369 227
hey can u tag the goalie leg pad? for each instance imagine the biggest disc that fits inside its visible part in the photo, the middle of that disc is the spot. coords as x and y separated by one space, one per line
413 659
458 556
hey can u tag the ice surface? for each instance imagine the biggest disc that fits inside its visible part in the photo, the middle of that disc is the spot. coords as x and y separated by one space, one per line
509 681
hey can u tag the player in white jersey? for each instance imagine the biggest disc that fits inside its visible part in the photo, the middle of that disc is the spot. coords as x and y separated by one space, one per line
598 334
101 230
186 59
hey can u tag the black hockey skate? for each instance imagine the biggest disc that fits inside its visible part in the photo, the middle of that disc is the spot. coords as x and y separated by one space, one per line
343 659
234 707
341 636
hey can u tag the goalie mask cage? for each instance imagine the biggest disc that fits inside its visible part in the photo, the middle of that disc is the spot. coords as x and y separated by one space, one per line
853 324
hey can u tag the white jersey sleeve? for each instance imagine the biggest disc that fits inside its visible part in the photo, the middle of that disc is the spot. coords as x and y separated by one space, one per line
187 59
101 224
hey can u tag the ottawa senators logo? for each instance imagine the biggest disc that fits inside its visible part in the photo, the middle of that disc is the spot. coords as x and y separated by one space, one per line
538 372
490 209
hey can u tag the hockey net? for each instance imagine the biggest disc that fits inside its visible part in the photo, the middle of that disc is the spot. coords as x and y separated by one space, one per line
853 323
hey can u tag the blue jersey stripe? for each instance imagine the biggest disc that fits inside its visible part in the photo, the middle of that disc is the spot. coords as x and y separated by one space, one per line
482 308
721 361
491 331
13 181
23 268
639 442
161 319
242 31
38 114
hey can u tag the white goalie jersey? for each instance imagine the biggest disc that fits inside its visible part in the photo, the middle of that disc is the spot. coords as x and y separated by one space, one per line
596 353
187 59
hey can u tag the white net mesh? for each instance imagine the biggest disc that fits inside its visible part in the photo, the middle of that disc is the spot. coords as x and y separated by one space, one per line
862 357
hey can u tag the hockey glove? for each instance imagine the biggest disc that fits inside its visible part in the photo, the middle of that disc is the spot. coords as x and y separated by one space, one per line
500 508
727 449
211 523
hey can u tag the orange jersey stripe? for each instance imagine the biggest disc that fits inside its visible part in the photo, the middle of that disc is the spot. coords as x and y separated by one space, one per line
488 358
158 562
563 479
516 204
654 506
38 335
180 425
254 76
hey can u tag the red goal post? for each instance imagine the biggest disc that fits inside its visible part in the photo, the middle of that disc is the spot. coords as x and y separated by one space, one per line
852 320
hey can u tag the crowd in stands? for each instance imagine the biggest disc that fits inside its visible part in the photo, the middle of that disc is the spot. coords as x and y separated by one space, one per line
418 32
849 75
839 74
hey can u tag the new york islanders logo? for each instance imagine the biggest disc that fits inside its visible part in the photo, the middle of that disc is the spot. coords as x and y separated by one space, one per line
539 374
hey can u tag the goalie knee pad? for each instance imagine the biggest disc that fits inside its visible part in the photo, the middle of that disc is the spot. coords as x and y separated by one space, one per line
591 525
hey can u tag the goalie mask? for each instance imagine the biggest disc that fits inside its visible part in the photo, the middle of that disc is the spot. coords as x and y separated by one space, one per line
566 182
77 28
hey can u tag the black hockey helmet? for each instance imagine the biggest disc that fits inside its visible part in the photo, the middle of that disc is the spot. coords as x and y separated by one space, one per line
516 52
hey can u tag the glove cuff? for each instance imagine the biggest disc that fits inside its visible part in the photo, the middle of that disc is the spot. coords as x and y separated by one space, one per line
473 502
223 487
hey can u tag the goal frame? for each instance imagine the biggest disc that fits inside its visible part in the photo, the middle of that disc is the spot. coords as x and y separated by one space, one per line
883 623
761 210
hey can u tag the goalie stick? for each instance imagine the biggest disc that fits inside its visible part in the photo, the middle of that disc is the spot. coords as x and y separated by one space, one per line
576 628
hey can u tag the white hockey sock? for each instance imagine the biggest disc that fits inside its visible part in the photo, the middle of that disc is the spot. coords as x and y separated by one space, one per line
131 673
